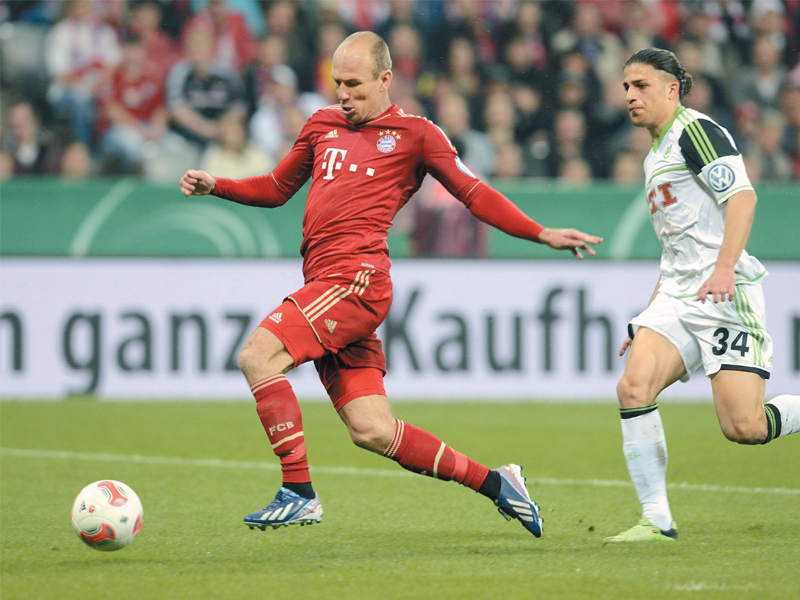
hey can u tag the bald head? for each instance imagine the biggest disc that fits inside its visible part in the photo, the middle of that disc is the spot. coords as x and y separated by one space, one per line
368 43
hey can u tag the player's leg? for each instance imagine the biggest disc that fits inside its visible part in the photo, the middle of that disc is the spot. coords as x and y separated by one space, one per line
264 360
743 417
738 400
363 407
737 353
654 363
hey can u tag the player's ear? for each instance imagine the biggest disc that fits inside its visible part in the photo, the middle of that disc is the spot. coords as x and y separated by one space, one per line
386 80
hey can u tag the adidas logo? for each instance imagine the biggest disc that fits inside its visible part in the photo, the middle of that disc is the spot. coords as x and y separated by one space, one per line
276 317
331 325
333 133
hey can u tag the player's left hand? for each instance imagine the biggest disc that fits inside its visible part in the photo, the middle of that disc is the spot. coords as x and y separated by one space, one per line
561 239
720 286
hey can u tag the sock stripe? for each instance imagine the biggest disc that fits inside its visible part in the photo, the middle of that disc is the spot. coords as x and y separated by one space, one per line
266 382
773 422
398 436
630 413
287 439
436 460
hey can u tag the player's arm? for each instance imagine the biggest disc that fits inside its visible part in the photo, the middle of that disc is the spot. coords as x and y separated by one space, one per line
492 207
267 191
489 205
713 157
721 284
628 339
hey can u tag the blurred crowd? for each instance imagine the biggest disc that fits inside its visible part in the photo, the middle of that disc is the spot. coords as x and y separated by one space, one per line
523 88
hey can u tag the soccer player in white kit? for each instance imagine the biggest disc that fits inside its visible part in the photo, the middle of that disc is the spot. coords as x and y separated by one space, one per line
707 307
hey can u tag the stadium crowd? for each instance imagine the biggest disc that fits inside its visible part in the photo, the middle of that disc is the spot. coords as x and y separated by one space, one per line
523 88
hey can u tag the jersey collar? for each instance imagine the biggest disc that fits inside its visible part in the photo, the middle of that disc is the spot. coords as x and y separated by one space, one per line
667 127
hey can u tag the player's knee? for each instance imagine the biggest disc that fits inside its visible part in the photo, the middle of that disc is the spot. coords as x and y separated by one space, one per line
369 439
745 432
632 393
369 435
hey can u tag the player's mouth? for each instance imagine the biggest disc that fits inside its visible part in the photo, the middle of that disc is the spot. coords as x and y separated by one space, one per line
348 110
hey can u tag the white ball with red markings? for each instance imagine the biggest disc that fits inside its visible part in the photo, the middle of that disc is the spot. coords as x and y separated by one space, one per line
107 515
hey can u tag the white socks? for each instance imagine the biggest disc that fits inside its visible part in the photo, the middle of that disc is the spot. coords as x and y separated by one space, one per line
783 416
645 449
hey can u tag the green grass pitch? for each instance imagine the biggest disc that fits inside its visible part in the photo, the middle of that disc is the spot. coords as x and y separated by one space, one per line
200 467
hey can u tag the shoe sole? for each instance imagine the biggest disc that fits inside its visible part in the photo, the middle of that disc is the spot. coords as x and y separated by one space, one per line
263 526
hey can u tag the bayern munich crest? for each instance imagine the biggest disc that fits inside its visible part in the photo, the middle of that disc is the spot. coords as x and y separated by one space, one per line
387 141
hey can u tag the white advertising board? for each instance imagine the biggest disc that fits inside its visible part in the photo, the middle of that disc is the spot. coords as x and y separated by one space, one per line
172 328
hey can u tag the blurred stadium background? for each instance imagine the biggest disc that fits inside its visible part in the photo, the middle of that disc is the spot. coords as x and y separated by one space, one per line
105 103
113 286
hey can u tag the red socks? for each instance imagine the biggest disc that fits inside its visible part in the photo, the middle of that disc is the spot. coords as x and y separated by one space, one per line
280 415
422 452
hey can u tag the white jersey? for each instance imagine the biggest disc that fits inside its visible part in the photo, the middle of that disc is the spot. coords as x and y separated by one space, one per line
693 168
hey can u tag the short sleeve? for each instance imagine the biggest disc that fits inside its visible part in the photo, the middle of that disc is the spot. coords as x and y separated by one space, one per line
711 155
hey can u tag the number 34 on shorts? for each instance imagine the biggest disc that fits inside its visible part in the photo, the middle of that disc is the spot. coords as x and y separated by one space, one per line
720 336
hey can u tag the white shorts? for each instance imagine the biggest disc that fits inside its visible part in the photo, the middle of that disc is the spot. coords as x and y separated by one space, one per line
723 336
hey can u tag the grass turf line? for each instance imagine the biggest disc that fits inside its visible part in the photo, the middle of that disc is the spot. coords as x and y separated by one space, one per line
390 537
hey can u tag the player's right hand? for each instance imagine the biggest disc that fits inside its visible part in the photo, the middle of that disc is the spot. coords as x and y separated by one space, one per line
197 183
625 345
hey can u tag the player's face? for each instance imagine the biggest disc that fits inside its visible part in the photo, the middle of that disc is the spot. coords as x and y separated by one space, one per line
650 95
361 95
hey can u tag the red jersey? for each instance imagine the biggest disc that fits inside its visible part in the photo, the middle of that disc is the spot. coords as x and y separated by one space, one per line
362 175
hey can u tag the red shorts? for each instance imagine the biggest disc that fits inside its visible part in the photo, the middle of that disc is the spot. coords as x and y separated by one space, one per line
332 321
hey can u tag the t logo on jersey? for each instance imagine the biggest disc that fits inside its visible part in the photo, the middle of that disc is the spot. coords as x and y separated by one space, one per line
720 177
329 163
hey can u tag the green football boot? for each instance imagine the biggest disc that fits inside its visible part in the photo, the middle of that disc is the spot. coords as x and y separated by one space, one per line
644 531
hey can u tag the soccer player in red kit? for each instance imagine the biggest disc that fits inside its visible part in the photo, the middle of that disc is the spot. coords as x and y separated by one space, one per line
367 158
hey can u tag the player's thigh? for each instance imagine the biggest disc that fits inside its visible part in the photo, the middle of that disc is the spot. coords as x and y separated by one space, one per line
653 364
738 400
263 355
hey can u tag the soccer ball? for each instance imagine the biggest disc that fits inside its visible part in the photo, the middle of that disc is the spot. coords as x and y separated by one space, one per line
107 515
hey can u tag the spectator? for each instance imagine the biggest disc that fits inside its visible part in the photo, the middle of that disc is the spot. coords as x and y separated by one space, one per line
510 162
76 162
569 139
199 92
405 46
641 23
747 117
627 169
762 82
475 148
330 36
602 49
258 79
161 52
401 12
500 117
133 108
80 53
464 73
790 108
31 149
776 166
526 51
6 166
575 172
233 46
442 227
268 127
283 18
234 153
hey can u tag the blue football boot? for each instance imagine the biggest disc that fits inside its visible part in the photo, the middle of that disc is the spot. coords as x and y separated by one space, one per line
515 502
286 509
